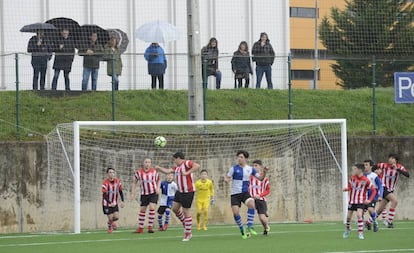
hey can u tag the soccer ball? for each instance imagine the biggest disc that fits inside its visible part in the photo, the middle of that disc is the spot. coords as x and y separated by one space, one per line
160 142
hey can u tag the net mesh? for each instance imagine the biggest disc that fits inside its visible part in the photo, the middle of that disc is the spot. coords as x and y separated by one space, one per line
305 177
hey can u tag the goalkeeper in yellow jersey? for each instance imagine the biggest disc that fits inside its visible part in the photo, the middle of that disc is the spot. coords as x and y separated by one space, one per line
204 197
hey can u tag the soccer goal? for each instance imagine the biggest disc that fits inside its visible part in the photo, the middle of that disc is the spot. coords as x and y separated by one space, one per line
307 161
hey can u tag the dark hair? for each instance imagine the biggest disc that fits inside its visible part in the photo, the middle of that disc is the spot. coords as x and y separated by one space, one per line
179 155
109 168
360 166
371 163
243 152
212 39
258 162
245 44
267 36
203 170
395 156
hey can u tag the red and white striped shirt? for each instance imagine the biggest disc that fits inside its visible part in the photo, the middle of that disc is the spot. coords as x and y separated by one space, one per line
358 189
112 188
389 175
185 183
148 179
259 188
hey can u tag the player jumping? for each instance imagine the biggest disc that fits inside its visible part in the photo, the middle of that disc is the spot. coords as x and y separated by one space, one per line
168 190
184 196
259 190
358 186
389 178
111 189
376 181
239 175
204 197
149 183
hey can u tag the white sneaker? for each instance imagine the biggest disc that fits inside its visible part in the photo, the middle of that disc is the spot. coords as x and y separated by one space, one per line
346 234
385 222
187 237
361 236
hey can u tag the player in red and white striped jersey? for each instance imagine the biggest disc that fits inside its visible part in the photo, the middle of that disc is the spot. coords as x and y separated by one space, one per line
184 196
111 191
358 186
150 183
389 174
259 190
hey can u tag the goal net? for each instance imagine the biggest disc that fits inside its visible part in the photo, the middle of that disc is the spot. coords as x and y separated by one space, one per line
307 161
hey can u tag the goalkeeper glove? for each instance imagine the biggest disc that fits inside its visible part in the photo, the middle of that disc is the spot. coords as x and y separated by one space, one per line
211 200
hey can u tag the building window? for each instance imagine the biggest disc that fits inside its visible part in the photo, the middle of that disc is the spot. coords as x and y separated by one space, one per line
298 53
302 12
303 74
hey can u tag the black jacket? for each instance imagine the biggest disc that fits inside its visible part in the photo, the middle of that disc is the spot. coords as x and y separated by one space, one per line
263 56
91 60
64 56
40 53
212 59
241 63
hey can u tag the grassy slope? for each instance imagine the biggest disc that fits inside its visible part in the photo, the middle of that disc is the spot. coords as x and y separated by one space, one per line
354 105
292 238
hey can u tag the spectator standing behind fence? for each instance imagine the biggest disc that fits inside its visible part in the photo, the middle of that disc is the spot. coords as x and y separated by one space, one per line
241 66
92 55
264 57
64 54
157 64
209 60
40 49
114 61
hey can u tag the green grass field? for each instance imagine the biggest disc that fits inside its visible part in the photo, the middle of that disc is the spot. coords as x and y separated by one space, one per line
286 238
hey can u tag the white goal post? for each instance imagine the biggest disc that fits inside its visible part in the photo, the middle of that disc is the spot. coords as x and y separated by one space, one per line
316 148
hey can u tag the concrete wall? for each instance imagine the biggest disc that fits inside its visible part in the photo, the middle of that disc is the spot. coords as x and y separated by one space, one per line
30 204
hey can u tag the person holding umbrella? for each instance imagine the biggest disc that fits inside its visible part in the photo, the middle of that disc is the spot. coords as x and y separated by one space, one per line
64 54
113 57
40 48
157 63
92 53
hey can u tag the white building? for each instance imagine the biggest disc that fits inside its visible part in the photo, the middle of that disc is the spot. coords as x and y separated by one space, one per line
230 21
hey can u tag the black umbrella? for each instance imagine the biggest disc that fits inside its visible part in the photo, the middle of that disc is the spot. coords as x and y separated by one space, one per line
122 37
86 30
64 23
32 28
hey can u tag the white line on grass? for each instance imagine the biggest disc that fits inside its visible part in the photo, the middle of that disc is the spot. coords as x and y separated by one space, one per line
373 251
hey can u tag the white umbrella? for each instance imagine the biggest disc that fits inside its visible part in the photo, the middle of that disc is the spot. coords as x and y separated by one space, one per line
157 31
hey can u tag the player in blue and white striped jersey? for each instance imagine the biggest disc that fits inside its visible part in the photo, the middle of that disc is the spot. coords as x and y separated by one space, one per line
168 189
376 181
239 175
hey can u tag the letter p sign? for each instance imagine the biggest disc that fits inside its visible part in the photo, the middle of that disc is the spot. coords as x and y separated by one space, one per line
404 87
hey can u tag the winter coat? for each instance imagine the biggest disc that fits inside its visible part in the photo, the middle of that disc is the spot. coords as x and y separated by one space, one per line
212 59
241 64
64 56
92 60
157 62
263 56
113 57
40 54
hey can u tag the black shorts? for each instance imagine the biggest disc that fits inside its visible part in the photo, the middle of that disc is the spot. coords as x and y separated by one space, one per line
354 207
107 210
237 199
147 199
385 194
184 198
261 206
161 209
372 204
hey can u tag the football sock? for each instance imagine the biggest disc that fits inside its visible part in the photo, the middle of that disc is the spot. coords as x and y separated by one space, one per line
384 214
238 220
167 216
151 217
141 219
109 224
360 225
180 216
373 217
348 224
205 218
250 217
188 222
160 220
391 215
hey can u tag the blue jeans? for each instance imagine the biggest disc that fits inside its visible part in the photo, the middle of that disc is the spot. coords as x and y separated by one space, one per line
115 79
56 77
89 72
260 70
217 74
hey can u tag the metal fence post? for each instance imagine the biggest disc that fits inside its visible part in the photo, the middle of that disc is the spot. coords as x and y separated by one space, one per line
205 83
289 87
16 57
113 86
374 99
